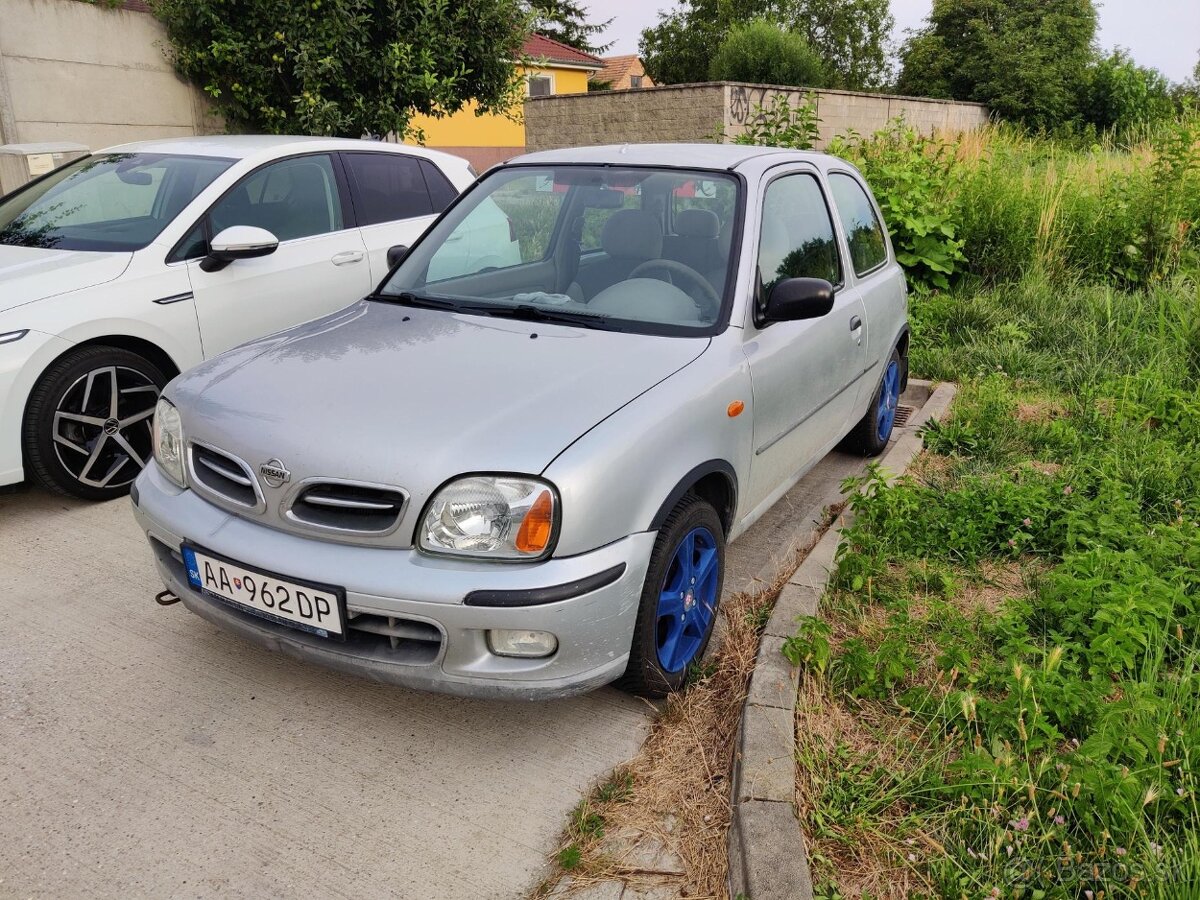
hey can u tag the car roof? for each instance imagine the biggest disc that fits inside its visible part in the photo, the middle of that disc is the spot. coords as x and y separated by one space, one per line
247 146
697 156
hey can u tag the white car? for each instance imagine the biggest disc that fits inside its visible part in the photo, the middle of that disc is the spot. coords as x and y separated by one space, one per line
122 269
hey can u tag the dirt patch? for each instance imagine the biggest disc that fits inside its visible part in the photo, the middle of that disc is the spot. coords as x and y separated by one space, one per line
1040 411
996 582
1048 469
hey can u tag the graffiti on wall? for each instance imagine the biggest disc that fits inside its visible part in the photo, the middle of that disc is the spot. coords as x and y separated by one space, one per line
746 104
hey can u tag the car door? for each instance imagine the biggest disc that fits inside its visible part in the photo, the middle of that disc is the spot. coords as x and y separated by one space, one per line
804 374
396 197
319 267
881 286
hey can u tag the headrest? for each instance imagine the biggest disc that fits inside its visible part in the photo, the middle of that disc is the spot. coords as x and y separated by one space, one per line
697 223
632 234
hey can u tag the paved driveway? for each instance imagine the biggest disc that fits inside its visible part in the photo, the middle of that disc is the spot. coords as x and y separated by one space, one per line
145 753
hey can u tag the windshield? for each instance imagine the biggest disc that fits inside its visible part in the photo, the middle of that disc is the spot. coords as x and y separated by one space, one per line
634 249
115 201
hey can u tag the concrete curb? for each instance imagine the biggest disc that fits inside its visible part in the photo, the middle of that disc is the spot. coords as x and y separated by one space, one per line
767 859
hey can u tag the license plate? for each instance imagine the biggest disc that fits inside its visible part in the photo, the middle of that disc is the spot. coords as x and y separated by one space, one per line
318 609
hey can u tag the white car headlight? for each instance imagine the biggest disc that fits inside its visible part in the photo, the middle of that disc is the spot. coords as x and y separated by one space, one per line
168 441
492 516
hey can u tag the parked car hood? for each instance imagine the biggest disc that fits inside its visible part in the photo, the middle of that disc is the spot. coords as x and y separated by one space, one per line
412 397
31 273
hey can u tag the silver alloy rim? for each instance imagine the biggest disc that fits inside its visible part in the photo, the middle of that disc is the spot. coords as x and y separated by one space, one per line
103 426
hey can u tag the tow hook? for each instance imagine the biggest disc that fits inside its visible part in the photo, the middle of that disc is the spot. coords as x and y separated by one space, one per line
165 598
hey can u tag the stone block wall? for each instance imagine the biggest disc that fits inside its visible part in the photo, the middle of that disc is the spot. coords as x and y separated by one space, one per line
721 111
677 113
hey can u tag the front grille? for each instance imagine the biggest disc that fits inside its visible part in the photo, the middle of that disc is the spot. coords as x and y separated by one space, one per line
419 642
348 507
224 475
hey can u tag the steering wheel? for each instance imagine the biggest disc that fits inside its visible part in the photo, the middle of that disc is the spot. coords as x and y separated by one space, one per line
711 298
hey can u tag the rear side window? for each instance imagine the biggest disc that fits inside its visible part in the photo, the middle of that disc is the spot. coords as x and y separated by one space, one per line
387 187
864 233
441 191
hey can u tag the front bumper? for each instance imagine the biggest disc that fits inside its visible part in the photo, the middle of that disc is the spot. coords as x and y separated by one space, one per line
594 629
21 364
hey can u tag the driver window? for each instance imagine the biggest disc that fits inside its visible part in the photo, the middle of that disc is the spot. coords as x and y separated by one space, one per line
796 239
293 198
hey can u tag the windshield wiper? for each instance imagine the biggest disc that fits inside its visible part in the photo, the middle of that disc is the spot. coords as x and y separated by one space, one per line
529 313
408 298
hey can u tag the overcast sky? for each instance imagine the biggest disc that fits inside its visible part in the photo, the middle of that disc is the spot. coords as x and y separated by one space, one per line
1160 33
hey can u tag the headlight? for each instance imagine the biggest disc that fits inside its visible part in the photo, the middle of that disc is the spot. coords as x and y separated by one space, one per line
168 441
492 516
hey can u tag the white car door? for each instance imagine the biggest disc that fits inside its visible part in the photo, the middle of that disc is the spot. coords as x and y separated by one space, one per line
396 197
805 374
319 267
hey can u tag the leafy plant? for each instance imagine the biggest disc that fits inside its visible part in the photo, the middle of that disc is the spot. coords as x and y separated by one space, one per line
780 124
346 67
909 174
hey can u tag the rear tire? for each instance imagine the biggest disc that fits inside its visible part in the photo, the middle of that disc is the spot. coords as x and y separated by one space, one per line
679 600
88 423
871 435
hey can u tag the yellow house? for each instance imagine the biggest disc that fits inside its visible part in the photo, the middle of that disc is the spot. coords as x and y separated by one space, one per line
551 68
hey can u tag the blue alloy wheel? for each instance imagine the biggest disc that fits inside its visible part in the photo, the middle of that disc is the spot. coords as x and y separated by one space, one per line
687 600
889 398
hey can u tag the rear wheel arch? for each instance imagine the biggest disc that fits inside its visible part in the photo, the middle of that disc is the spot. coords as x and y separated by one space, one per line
714 481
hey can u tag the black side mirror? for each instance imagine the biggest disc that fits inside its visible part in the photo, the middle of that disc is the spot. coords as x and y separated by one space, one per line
396 254
799 298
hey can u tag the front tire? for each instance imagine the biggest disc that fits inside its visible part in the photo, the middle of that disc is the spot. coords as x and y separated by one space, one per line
871 435
88 423
679 600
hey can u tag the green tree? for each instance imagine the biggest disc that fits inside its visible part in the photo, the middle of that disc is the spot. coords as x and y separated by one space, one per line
852 37
679 49
1027 59
567 22
1121 94
763 52
849 35
346 67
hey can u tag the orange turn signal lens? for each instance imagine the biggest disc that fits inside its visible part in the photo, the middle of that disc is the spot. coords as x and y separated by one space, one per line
534 533
735 408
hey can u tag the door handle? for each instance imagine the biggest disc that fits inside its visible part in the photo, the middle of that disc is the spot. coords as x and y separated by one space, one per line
346 257
855 323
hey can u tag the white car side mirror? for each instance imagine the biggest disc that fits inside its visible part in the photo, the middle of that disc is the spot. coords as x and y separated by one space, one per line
238 242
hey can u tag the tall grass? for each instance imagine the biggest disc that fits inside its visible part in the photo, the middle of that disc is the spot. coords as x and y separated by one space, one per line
1017 205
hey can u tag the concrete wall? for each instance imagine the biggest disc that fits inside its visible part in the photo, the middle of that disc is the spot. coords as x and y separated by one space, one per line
721 111
73 71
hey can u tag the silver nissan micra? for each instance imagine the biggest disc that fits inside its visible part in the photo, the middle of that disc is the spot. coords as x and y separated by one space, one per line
518 479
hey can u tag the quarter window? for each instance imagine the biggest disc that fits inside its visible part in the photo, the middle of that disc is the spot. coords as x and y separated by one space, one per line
292 198
441 191
388 187
864 233
797 239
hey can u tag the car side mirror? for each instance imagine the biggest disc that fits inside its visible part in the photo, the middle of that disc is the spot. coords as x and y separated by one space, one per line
396 254
799 298
238 242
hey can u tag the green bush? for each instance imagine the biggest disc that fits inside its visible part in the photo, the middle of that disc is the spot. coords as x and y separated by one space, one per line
763 52
909 175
